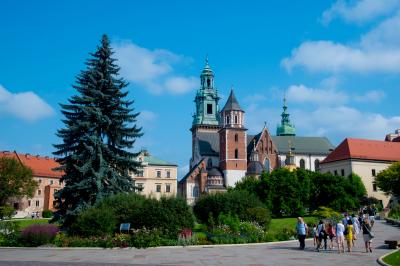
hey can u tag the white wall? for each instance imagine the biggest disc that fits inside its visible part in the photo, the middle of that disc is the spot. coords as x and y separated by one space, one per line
306 157
232 176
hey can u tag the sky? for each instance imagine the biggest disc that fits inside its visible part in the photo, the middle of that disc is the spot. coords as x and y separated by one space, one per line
338 62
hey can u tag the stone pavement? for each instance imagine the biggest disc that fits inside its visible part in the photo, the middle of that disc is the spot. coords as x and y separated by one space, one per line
254 254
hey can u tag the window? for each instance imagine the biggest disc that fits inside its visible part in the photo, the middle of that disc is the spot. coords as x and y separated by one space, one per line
140 173
373 172
168 188
37 203
316 164
236 119
158 187
140 186
59 182
209 109
195 191
342 172
236 154
335 173
168 174
40 181
158 173
228 119
55 191
39 192
302 164
51 182
374 187
208 82
236 138
29 203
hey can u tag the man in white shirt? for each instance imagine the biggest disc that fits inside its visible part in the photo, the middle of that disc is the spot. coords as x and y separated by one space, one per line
340 236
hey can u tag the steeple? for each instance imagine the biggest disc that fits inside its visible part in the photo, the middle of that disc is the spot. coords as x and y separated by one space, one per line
232 114
207 111
285 128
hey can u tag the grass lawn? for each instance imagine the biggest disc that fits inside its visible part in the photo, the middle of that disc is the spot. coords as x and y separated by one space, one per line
279 223
393 259
25 222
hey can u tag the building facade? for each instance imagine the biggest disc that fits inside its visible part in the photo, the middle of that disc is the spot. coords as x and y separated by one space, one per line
47 178
157 178
366 158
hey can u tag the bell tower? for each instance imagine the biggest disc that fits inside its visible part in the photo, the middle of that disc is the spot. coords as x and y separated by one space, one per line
233 144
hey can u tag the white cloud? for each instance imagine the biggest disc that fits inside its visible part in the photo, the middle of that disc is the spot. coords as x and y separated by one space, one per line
303 94
146 119
376 51
25 105
340 122
359 11
373 96
152 69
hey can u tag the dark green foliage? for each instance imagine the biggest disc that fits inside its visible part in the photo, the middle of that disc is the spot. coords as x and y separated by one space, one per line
99 128
395 212
47 214
9 234
144 238
261 215
288 193
388 180
6 212
95 222
237 203
16 180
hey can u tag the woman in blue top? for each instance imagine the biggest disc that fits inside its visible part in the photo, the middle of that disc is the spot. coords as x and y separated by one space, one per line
301 229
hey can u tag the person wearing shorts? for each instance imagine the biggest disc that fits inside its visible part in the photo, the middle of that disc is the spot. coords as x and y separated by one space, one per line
366 229
340 236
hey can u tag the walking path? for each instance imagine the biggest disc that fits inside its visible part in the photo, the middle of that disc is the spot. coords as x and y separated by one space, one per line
253 255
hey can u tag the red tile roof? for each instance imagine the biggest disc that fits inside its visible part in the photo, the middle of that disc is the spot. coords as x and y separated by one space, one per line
41 166
365 149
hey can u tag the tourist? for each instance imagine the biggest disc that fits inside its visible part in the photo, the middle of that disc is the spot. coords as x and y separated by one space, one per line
349 235
345 219
340 236
301 229
331 233
314 234
371 214
356 227
33 215
322 235
367 234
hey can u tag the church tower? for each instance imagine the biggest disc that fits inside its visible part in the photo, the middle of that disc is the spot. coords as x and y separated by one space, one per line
285 128
232 141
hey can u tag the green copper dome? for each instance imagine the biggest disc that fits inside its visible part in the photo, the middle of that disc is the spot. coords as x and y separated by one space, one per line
285 128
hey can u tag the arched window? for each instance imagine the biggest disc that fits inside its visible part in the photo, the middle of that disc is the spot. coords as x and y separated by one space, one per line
236 138
266 165
208 82
302 164
316 164
195 191
236 119
228 119
236 154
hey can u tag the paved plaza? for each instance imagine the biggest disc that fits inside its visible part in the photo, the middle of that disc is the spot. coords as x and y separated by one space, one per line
286 253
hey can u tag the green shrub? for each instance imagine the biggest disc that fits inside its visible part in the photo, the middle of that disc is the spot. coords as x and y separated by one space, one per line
260 215
47 214
39 234
395 212
144 238
326 213
232 221
6 211
9 234
237 203
95 221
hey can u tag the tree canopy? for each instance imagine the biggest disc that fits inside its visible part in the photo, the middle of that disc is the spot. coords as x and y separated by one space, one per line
99 132
388 180
16 180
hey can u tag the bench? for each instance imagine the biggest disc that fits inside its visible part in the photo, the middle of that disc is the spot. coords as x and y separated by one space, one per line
393 243
124 227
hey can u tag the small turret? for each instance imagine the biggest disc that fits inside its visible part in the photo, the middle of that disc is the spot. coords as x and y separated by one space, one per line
285 128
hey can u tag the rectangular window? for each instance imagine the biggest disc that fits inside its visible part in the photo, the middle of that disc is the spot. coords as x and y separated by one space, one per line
158 187
140 173
158 173
336 172
140 186
51 182
168 188
29 203
37 203
59 182
374 187
236 154
342 172
209 109
373 172
40 181
39 192
168 174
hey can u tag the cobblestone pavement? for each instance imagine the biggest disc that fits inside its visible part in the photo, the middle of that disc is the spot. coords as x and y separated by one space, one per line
257 254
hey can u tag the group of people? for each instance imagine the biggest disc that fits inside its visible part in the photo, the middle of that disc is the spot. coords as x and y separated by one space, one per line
344 231
35 215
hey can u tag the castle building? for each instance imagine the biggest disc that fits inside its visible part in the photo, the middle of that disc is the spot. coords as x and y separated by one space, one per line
48 183
223 152
156 178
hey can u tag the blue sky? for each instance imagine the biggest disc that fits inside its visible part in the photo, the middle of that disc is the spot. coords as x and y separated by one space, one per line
338 61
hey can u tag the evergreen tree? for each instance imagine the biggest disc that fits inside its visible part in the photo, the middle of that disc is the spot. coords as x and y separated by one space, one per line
99 129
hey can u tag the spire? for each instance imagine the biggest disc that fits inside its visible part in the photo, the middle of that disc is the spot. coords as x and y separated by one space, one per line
232 104
285 128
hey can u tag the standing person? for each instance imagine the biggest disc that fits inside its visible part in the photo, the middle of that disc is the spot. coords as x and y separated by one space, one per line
367 235
331 233
356 227
340 236
314 234
301 229
349 236
371 214
322 235
345 219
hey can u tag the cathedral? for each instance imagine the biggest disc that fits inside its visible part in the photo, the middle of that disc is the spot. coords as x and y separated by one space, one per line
223 152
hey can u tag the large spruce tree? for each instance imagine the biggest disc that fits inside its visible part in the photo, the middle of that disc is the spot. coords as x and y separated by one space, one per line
100 128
